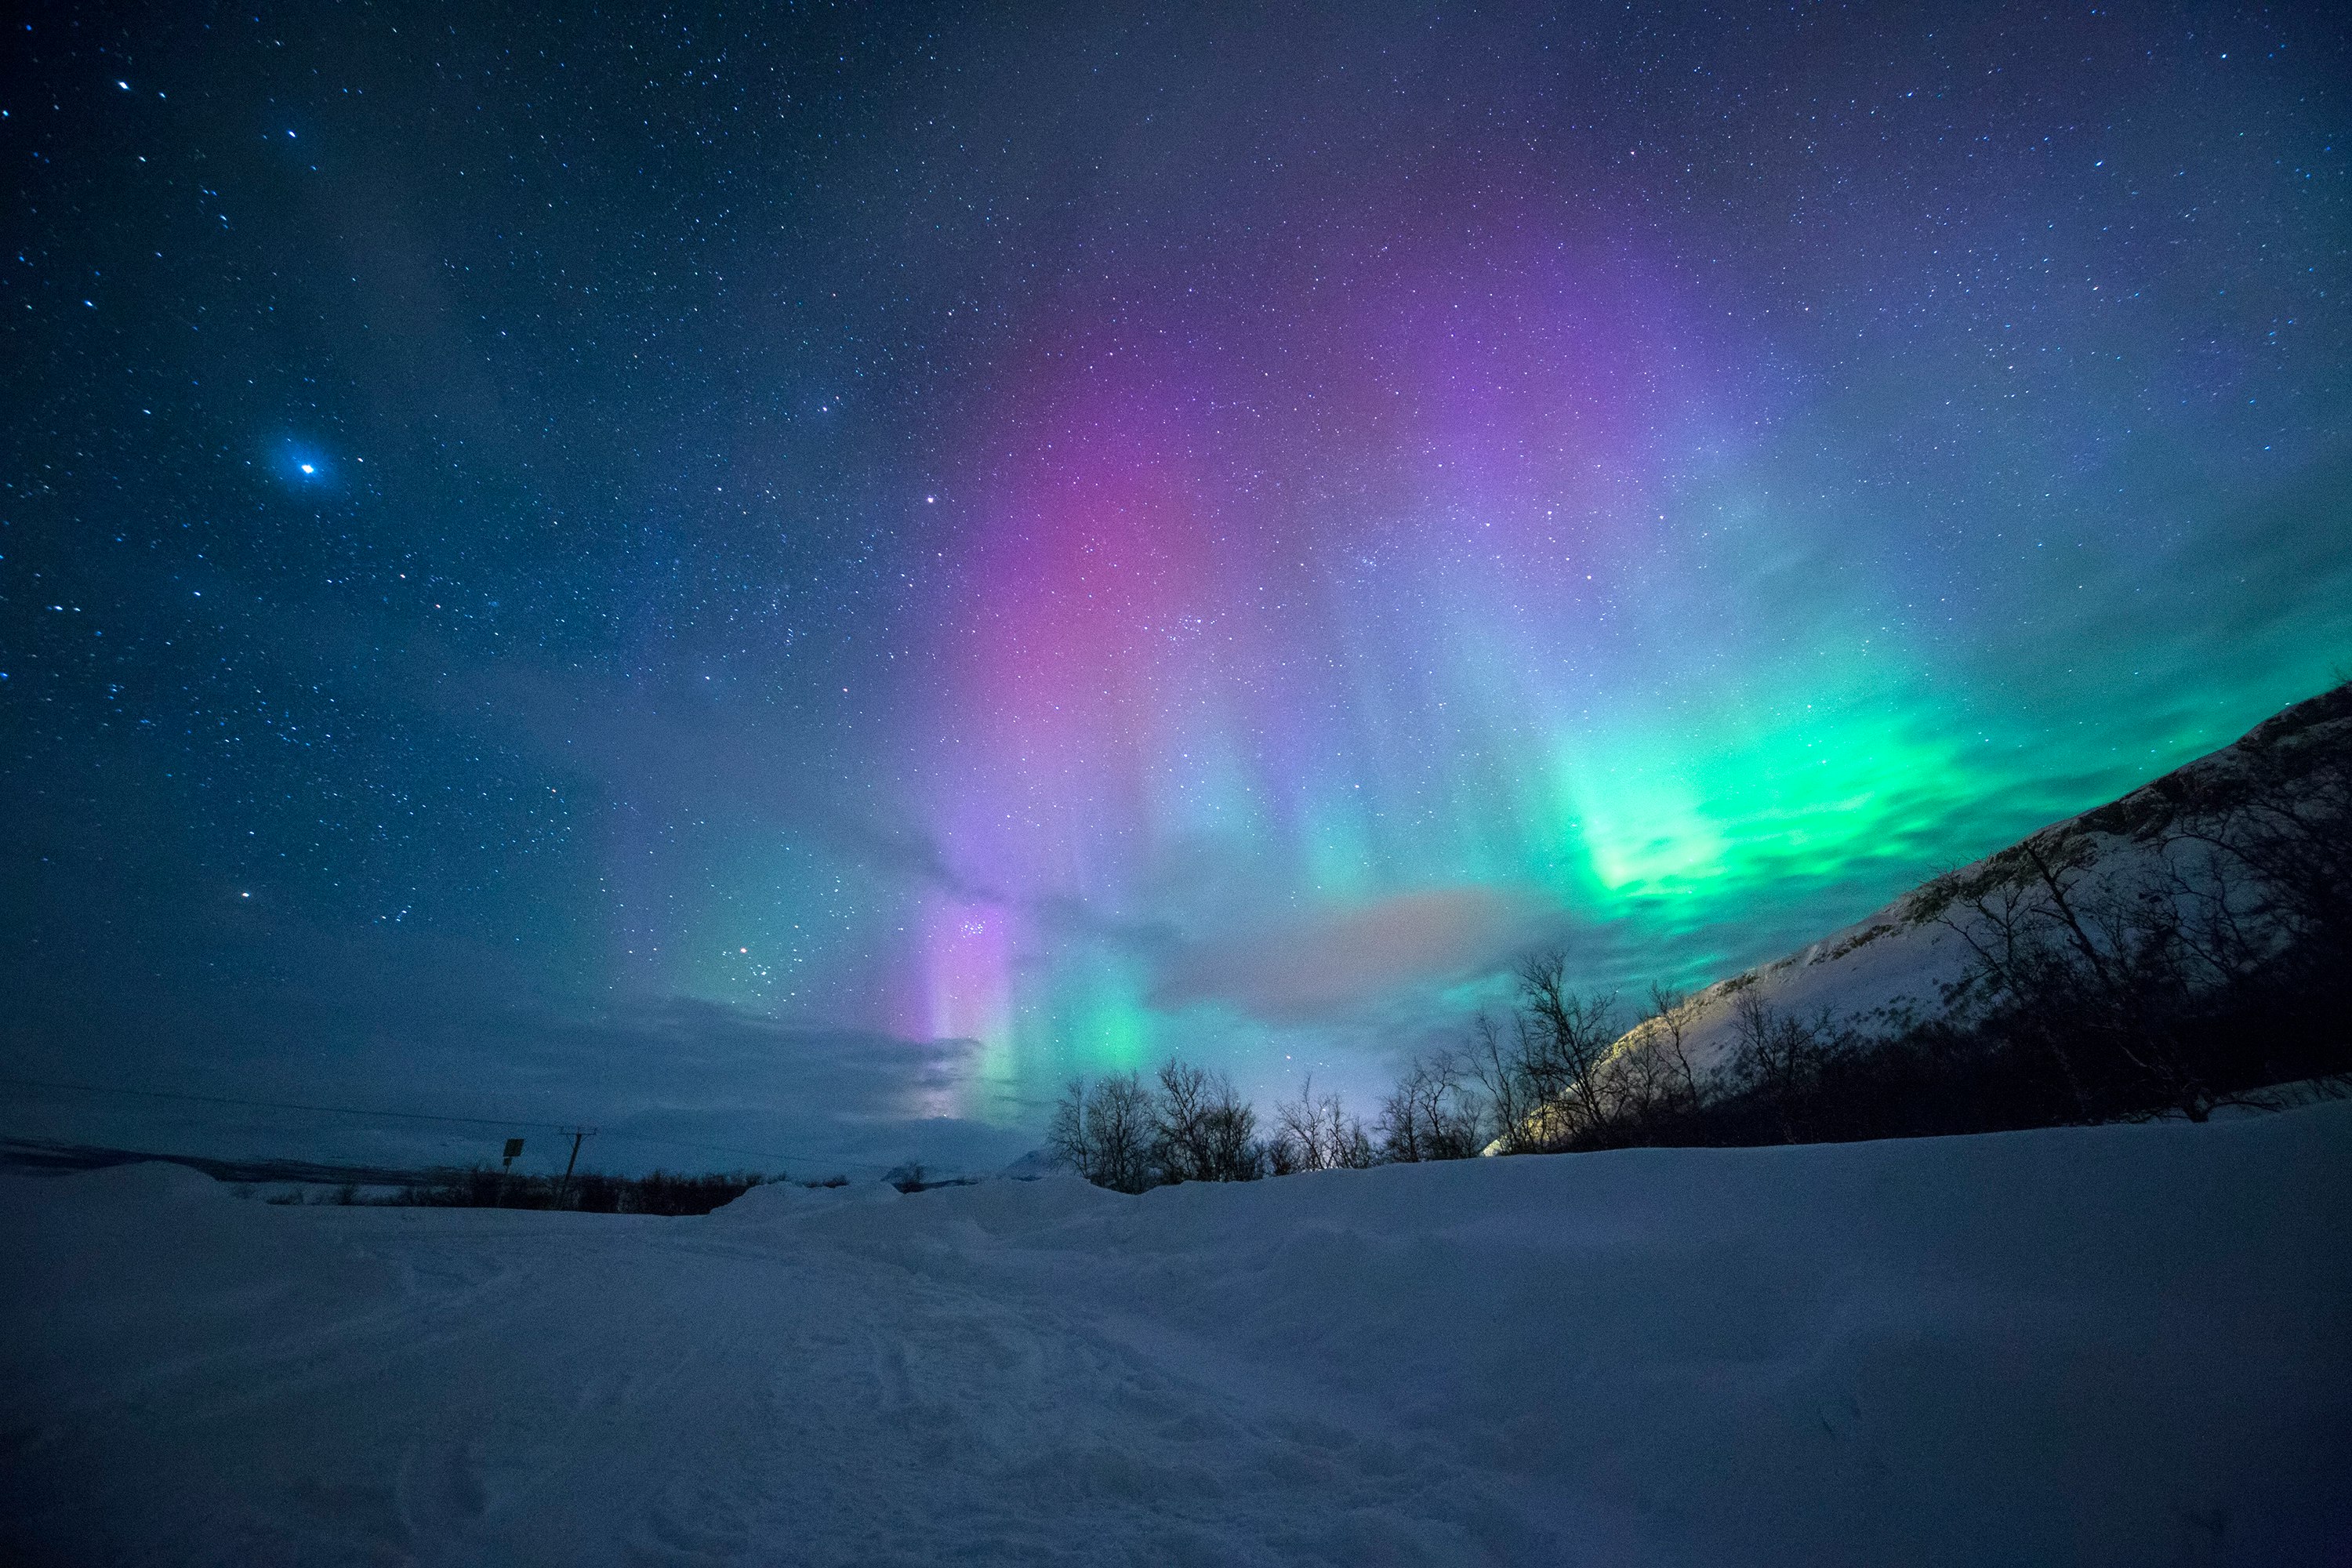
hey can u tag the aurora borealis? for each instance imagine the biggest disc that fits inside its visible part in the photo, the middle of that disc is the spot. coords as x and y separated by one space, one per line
590 564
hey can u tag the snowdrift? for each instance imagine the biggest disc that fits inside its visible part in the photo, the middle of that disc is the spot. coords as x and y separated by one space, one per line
2112 1345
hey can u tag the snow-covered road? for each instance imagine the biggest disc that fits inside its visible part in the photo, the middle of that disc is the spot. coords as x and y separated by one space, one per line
2127 1345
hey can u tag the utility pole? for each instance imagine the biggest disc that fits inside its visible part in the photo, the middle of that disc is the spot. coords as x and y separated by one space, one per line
565 1186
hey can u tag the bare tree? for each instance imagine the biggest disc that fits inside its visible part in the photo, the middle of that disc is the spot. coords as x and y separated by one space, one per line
1298 1141
1119 1114
1107 1132
1510 1099
1180 1123
1646 1080
2103 975
2006 951
1234 1152
1562 1039
1779 1057
1668 1040
1067 1135
2287 826
1318 1134
1431 1114
1203 1131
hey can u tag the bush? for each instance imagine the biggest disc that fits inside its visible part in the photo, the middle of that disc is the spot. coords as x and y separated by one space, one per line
592 1192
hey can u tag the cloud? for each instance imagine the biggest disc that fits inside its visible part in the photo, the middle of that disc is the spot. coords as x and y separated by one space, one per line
1352 957
694 751
681 1082
426 1028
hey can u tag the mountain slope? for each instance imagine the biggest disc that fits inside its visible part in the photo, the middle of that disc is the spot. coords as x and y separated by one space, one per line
1896 964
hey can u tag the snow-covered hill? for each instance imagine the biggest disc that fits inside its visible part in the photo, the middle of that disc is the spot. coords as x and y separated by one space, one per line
2127 1344
1895 965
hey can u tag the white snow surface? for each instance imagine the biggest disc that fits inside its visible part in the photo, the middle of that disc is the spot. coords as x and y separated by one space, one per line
2111 1345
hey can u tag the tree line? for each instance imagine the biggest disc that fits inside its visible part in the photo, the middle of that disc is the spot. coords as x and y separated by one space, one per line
2211 963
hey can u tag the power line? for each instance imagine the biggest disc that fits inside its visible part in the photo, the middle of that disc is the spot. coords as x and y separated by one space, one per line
279 1104
505 1122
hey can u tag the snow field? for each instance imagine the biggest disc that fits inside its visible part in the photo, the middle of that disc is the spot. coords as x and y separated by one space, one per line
2123 1345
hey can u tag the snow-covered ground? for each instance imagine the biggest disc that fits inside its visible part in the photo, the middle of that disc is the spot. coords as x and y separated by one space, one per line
2119 1345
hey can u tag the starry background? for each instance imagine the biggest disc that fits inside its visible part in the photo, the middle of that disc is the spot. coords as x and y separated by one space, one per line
785 580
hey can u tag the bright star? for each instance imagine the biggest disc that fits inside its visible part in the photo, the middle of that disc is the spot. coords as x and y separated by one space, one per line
309 469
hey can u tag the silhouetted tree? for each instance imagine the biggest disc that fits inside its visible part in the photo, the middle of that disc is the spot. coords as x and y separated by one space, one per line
1778 1058
1315 1134
1646 1080
1106 1131
1510 1095
1431 1114
1202 1130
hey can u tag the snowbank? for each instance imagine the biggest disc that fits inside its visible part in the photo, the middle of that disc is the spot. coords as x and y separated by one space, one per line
2126 1345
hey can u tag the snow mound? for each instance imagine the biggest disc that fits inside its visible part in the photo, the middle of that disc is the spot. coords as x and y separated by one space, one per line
2109 1345
1035 1164
147 1181
790 1200
768 1201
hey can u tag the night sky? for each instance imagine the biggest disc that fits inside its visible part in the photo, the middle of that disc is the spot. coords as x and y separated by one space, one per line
786 581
